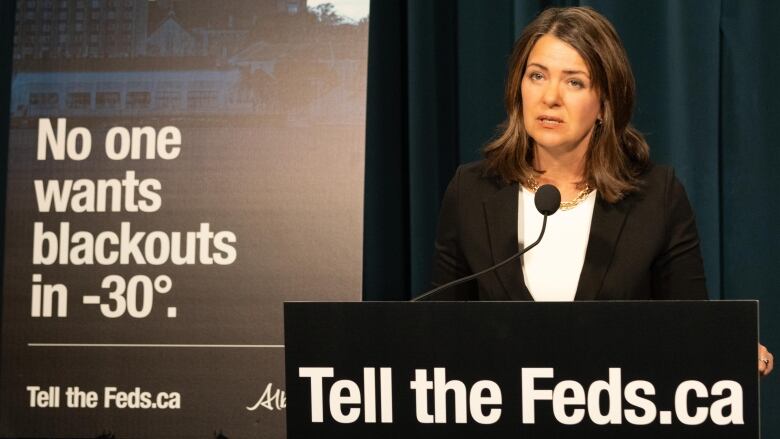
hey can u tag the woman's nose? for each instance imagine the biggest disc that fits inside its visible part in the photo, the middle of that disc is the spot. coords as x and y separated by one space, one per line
551 96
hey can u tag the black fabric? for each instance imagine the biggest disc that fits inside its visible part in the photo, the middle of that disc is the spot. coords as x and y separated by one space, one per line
644 247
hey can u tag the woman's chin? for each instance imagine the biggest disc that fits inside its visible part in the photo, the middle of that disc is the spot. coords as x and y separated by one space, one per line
557 141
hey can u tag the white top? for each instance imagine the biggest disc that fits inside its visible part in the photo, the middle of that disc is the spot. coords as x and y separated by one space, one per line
551 270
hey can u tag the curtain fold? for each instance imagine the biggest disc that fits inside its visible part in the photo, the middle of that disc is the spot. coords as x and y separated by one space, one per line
750 158
674 51
386 242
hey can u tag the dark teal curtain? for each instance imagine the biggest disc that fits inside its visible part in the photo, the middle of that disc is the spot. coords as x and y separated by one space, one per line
707 102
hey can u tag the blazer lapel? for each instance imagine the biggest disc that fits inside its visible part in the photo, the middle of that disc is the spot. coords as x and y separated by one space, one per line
605 228
501 215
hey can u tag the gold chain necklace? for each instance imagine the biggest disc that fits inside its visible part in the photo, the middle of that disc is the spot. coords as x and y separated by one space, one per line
533 186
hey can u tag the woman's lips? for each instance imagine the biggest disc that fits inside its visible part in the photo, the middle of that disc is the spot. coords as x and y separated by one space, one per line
550 121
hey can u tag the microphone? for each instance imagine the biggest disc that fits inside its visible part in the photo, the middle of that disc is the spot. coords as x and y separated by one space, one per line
547 201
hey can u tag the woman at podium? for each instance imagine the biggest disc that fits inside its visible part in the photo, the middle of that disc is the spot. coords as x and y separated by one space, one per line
624 230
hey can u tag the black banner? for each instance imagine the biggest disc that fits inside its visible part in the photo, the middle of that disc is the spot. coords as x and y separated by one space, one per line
531 370
177 169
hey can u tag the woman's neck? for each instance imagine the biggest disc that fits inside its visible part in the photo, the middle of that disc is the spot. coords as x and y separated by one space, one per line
565 170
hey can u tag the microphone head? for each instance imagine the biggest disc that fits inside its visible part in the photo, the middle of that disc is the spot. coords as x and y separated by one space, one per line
547 199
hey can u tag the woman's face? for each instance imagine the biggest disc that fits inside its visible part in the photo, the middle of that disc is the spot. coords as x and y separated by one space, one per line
560 104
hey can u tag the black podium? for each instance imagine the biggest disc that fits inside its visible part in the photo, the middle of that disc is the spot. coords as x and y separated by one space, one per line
522 370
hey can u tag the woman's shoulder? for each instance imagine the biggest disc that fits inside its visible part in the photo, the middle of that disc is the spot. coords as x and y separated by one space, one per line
654 172
477 176
659 182
473 169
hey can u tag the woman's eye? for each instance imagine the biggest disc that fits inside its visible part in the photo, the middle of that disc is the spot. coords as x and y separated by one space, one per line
576 83
535 76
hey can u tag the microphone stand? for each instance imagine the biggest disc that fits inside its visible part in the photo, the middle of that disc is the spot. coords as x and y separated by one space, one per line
480 273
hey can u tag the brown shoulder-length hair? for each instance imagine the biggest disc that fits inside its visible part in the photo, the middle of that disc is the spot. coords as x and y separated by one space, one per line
617 153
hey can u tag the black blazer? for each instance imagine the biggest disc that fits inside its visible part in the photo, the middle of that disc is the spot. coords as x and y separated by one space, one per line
643 247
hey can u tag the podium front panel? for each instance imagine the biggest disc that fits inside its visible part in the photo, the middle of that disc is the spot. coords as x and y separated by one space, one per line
522 370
